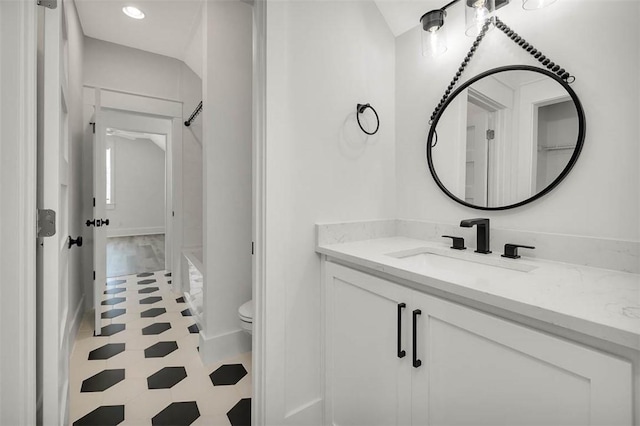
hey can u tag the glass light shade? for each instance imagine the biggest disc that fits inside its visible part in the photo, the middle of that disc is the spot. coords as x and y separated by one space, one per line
536 4
476 13
434 36
434 42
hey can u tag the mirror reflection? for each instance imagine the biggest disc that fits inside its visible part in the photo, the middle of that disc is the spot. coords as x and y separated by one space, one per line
505 138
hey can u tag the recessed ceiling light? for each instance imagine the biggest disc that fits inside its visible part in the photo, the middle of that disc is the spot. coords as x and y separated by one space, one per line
133 12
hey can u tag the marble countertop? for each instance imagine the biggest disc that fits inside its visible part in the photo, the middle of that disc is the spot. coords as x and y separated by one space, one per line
598 302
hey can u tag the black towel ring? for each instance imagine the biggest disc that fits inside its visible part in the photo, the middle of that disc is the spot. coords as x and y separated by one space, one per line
359 110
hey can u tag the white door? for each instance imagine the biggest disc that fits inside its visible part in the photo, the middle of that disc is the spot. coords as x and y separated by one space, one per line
478 369
98 221
367 350
53 194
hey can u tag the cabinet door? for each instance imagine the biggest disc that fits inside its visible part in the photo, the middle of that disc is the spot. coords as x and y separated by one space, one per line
478 369
367 383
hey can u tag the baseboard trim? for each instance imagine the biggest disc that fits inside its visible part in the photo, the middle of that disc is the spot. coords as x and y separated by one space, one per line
308 414
216 348
75 322
130 232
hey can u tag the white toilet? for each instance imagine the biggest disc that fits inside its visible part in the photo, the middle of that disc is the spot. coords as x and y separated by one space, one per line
245 312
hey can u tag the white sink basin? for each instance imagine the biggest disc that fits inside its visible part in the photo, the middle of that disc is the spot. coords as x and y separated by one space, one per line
431 257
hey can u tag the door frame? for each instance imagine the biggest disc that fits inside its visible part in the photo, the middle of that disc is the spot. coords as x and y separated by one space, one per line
132 103
259 404
18 185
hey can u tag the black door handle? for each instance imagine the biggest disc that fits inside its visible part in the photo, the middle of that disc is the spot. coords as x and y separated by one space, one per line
401 352
77 241
90 222
416 362
103 222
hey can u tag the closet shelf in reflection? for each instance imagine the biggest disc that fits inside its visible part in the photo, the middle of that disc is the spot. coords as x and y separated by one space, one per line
556 148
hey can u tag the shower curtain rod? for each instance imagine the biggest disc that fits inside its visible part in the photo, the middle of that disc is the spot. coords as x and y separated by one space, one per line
194 114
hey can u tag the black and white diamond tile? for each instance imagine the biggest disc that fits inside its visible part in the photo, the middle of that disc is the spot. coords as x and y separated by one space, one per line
160 349
153 312
150 300
166 378
112 313
145 368
107 351
102 381
228 374
104 415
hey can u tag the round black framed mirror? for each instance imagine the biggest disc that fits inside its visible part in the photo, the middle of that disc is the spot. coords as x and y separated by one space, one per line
506 137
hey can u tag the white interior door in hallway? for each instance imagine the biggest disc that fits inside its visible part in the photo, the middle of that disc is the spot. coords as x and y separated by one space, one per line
53 332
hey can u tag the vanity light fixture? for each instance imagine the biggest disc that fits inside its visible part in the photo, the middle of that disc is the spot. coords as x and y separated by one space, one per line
434 37
133 12
477 12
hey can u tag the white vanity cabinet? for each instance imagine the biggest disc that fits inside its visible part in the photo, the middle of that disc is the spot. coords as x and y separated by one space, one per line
469 367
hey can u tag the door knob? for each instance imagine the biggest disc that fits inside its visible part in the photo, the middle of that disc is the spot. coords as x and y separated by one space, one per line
77 241
103 222
90 222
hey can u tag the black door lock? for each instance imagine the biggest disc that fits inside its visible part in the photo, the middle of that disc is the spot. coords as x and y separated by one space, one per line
97 222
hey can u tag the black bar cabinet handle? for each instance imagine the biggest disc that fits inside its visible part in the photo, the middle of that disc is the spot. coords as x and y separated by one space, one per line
401 352
416 362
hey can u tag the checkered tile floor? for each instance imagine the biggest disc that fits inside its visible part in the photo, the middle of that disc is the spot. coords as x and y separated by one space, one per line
145 368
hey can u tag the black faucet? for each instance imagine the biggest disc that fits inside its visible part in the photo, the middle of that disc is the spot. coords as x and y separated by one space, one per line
482 245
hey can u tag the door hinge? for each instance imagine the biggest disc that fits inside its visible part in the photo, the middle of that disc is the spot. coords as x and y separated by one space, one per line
491 134
173 214
51 4
94 201
93 126
46 223
94 275
252 247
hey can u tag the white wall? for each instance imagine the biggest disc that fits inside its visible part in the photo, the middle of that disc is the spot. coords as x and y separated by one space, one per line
191 88
139 187
113 66
227 134
600 197
322 59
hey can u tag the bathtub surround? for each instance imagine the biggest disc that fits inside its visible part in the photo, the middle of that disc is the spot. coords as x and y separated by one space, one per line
619 255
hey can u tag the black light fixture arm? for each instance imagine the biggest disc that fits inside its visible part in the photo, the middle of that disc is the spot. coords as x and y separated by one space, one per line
548 63
194 114
464 64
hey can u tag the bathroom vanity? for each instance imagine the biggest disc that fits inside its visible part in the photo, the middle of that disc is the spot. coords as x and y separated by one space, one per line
417 333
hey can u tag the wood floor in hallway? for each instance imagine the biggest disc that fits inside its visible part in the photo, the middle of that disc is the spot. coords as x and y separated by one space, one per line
135 254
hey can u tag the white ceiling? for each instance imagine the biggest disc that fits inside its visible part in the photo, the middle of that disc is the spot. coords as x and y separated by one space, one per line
402 15
171 25
167 29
